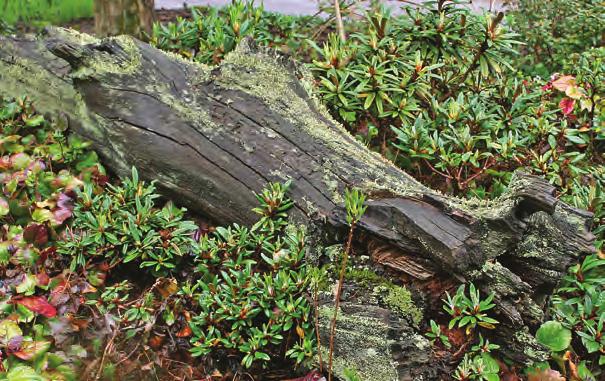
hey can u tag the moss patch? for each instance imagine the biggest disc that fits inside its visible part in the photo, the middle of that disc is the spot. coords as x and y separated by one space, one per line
396 298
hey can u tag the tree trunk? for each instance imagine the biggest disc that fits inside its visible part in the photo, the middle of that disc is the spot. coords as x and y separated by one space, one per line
116 17
213 136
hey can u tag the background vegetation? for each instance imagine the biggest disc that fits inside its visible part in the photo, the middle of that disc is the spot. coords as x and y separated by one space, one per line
44 11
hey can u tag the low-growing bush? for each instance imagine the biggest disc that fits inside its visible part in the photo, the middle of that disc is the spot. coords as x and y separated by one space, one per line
250 288
578 308
211 33
123 224
435 91
40 171
556 31
66 232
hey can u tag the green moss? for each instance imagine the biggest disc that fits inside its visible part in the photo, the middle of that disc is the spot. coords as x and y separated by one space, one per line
399 299
396 298
364 277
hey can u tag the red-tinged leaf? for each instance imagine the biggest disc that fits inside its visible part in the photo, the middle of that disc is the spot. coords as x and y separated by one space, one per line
567 105
43 279
30 349
14 344
544 375
37 304
185 332
59 294
44 254
156 342
562 83
36 234
508 374
60 215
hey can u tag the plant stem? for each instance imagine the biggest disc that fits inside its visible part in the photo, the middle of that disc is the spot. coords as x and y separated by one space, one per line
339 24
337 301
316 306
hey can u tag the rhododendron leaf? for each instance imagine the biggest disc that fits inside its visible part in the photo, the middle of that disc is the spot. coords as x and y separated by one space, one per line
31 349
564 82
4 209
574 92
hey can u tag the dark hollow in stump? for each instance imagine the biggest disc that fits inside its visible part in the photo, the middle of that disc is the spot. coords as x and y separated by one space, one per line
213 136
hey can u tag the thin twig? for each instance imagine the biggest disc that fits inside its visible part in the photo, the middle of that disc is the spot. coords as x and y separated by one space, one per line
339 24
316 306
105 352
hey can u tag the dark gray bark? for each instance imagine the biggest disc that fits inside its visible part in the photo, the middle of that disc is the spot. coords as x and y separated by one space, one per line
213 136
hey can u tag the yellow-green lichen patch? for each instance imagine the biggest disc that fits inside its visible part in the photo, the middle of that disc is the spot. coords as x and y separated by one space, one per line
361 344
396 298
50 94
73 36
103 63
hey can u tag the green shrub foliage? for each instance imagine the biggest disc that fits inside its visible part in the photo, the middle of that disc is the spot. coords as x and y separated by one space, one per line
434 90
557 31
211 33
250 287
122 224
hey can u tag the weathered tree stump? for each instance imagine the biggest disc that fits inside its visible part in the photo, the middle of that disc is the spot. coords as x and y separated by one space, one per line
116 17
213 136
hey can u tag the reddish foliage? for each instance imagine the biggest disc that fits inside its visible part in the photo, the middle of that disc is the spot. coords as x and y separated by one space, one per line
567 105
36 234
37 304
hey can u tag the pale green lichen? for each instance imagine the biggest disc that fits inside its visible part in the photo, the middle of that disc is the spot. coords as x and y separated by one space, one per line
263 76
50 94
103 63
73 36
528 344
361 344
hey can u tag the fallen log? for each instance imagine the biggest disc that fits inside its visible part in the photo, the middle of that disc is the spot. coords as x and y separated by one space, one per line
211 136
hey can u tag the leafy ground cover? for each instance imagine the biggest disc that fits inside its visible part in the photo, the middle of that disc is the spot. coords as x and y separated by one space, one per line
457 99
